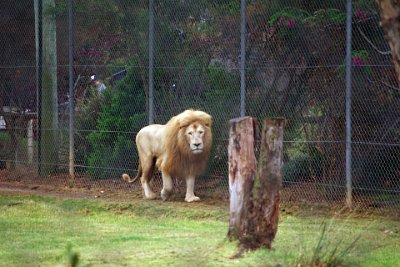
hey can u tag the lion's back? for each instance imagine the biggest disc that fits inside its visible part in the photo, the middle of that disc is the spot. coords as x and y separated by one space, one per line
149 139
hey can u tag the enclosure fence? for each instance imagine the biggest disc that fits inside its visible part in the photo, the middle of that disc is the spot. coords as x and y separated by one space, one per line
80 78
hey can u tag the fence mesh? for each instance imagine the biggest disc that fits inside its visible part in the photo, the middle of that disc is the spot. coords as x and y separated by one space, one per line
295 68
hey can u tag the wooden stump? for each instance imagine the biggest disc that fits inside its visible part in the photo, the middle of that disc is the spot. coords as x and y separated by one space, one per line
242 170
254 194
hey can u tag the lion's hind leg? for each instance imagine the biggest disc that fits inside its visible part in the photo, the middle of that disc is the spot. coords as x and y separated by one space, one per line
167 186
148 166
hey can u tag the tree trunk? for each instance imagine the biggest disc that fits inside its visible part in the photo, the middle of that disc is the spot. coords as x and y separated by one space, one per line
267 185
390 22
49 101
254 196
242 170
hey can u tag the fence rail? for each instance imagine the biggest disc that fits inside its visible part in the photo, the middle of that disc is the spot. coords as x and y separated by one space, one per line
324 66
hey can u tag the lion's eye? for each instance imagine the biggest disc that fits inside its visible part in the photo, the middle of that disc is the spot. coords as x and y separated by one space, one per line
201 132
190 133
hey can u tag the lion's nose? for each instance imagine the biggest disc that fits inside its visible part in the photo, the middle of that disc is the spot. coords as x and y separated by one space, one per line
197 144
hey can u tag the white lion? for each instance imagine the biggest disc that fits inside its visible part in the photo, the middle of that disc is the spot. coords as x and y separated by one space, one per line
178 149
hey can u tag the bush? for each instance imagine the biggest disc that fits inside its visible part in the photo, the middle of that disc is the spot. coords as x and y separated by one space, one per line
85 123
220 98
302 167
122 114
296 169
5 140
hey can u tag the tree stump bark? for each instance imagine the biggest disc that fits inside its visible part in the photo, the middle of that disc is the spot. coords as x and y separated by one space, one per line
254 195
242 169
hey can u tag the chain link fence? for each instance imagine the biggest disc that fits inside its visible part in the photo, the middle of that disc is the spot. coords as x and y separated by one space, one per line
295 68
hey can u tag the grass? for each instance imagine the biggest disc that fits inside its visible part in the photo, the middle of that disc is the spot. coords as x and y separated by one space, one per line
326 254
48 231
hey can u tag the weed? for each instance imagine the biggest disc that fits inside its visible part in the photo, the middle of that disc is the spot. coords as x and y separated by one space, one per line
327 253
72 257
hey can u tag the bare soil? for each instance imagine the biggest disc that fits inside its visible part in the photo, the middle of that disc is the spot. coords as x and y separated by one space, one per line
296 200
61 185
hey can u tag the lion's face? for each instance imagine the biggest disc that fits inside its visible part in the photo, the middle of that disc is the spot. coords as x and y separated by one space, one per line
195 137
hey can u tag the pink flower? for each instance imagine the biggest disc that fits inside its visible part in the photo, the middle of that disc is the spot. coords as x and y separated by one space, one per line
357 61
361 15
290 23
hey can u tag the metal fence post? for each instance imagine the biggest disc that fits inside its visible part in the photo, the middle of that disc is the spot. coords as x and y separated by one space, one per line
151 61
242 58
349 12
39 69
71 88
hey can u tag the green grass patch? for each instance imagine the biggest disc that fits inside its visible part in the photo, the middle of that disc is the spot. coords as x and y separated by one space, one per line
48 231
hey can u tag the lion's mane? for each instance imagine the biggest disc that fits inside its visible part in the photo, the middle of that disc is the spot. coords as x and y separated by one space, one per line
177 159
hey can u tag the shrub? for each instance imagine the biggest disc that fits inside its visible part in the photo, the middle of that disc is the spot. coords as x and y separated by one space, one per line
220 98
85 123
122 114
296 169
302 167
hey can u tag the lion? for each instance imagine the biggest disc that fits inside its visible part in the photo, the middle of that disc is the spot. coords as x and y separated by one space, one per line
178 149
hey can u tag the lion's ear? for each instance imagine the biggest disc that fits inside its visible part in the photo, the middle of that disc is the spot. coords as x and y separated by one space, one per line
208 123
183 125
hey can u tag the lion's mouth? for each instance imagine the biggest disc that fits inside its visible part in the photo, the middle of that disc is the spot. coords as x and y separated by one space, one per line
197 150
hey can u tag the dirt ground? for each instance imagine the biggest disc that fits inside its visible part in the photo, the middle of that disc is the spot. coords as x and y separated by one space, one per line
27 182
301 200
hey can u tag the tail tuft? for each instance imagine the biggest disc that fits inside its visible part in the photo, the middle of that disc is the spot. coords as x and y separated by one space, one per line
127 178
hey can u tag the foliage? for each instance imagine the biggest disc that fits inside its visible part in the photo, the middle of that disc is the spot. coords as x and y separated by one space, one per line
85 122
302 167
362 8
222 85
4 137
290 22
383 163
289 15
360 59
123 112
326 16
227 7
302 160
5 150
329 252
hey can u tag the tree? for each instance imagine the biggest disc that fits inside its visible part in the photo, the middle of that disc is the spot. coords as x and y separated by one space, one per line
49 99
254 190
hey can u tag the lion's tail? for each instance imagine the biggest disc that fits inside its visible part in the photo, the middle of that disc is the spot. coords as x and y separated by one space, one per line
127 178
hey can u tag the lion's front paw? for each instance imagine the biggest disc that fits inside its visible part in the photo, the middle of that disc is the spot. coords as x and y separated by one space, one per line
147 192
150 196
192 199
